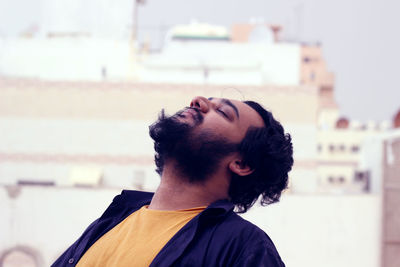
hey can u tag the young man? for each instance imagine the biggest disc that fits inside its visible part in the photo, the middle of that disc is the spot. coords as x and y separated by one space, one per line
213 156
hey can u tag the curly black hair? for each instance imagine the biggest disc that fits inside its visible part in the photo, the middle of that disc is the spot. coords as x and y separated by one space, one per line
269 152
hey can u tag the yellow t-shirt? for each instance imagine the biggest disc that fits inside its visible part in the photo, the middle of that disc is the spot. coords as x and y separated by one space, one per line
138 239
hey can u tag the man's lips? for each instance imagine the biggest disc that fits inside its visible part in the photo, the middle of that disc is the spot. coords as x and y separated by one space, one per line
191 112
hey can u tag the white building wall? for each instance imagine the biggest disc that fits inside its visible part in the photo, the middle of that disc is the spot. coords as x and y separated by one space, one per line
71 136
95 59
80 58
106 18
324 230
372 156
303 177
49 219
120 149
226 63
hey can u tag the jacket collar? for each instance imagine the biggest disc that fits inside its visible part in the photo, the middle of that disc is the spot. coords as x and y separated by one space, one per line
137 199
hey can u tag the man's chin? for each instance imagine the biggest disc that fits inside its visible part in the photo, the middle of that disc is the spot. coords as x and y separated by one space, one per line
185 119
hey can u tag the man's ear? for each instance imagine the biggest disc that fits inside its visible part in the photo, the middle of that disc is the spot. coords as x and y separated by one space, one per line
240 168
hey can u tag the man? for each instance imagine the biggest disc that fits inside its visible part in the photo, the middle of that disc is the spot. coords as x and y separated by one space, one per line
213 156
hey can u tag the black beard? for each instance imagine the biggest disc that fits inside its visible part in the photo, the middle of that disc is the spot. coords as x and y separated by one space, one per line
196 156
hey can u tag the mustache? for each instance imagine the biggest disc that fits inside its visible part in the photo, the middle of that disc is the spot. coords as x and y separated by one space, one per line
198 117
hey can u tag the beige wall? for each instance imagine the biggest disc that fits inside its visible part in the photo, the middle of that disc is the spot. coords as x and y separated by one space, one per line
35 98
313 68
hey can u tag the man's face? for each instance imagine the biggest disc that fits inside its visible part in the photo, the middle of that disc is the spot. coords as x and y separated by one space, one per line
199 137
229 119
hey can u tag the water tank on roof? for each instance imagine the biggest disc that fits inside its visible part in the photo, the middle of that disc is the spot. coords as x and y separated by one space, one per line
342 123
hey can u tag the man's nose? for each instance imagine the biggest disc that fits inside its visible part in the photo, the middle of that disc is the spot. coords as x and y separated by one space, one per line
201 103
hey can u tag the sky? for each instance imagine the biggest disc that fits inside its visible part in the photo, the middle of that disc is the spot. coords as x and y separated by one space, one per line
360 38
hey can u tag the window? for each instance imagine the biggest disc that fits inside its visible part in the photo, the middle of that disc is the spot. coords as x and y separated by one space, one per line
359 176
35 182
363 177
355 148
331 148
312 76
319 148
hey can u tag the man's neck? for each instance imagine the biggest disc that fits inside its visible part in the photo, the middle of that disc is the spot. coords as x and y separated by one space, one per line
176 193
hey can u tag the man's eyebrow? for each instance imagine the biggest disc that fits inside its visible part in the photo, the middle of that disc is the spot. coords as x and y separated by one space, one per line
229 103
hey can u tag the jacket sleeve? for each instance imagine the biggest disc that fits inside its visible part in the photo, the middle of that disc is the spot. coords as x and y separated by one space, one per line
260 255
68 258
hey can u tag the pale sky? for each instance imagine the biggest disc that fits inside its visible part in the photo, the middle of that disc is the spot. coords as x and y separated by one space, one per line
360 38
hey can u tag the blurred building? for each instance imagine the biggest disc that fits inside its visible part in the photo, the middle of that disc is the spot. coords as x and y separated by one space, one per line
380 158
339 140
205 54
339 147
391 199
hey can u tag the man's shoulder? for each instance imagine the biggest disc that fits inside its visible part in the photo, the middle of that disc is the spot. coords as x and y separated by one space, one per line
238 227
231 226
244 242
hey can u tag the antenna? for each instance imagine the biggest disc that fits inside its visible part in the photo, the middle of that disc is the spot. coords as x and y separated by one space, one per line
298 14
135 19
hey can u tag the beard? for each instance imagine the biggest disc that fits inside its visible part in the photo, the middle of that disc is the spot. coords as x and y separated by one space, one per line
197 155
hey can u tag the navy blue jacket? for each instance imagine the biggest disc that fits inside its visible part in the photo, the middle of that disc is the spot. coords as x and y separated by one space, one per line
215 237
